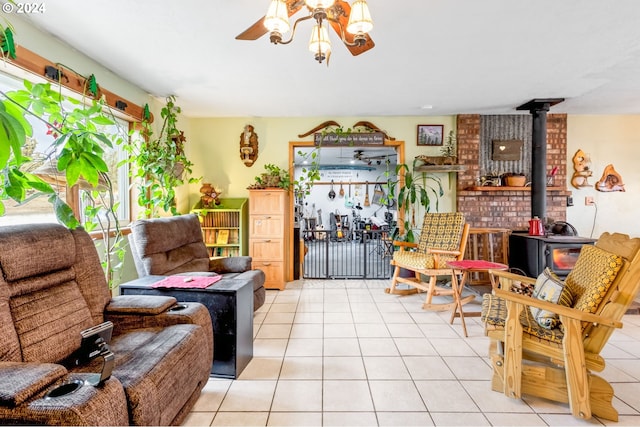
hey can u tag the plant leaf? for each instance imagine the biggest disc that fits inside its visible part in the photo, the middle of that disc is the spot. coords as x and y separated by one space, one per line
64 213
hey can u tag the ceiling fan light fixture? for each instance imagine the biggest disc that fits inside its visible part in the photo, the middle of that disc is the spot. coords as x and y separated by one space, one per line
352 29
319 44
360 21
277 18
316 4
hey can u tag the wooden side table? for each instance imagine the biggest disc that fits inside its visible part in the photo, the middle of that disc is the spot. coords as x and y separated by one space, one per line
465 267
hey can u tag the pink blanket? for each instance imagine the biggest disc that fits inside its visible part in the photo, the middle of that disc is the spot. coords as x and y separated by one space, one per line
199 282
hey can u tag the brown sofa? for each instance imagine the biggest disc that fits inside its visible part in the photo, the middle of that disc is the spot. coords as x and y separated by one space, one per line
52 287
174 245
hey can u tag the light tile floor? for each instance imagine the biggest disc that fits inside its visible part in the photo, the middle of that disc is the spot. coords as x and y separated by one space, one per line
344 353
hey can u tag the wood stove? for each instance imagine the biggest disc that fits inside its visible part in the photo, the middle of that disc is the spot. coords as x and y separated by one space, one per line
532 254
559 252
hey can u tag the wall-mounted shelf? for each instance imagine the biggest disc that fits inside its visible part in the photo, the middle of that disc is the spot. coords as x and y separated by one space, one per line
440 168
505 188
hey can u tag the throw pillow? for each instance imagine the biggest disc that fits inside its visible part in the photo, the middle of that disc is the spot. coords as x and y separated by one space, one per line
549 288
592 276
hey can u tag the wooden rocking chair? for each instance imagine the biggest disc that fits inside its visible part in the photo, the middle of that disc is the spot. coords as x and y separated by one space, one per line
443 238
557 363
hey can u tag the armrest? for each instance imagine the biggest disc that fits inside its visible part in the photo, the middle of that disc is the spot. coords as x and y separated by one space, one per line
404 245
561 310
234 264
504 277
128 312
139 304
436 256
21 381
442 252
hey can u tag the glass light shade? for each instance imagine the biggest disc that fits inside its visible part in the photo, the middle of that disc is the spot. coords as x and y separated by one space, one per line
277 18
359 19
319 42
314 4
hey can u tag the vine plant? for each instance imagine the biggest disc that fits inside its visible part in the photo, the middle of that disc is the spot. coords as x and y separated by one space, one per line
75 156
159 163
310 174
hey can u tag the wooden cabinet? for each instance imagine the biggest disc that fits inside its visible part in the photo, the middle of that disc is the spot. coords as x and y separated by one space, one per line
224 228
268 241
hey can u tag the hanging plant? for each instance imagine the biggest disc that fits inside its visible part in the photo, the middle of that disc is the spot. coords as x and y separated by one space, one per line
159 163
310 174
7 43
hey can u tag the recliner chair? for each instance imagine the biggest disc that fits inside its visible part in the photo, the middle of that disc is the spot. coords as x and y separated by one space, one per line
174 245
52 287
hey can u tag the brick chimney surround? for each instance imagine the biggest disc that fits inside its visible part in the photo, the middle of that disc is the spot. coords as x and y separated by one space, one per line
507 207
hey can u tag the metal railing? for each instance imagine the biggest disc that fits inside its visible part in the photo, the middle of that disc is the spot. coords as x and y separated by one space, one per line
358 254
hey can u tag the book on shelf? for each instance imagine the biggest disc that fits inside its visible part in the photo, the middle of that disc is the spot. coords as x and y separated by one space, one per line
219 252
223 237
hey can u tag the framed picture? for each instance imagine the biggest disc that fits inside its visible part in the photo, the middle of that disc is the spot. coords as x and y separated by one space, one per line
430 134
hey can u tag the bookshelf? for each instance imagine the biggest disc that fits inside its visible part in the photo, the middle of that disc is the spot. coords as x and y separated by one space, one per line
224 228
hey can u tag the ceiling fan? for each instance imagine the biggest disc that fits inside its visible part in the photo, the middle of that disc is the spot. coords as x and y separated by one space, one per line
369 157
352 31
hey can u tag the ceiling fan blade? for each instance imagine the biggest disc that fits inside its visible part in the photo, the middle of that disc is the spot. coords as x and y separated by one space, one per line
254 32
340 12
258 29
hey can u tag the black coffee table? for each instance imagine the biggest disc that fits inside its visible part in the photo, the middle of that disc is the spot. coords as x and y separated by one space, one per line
230 304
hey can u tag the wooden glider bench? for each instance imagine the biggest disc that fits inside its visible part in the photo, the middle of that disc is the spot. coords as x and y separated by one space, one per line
552 350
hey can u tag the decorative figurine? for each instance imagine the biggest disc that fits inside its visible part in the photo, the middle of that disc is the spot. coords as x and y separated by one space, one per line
210 196
582 167
248 146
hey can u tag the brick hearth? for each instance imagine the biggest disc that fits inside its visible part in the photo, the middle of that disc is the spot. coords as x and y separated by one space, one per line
486 208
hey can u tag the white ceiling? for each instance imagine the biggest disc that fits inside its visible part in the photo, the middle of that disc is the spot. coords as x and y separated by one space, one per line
460 56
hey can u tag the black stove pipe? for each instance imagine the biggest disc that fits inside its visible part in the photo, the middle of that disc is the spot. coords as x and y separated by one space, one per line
538 109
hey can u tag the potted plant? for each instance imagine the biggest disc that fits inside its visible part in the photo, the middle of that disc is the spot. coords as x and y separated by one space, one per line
448 150
416 193
274 177
514 179
160 163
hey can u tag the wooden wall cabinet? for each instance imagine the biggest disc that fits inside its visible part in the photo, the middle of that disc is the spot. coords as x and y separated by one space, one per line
224 228
268 241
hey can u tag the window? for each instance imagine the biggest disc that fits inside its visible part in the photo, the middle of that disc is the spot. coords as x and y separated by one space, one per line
119 175
36 207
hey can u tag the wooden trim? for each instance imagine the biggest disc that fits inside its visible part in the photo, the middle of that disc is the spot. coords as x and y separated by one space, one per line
34 63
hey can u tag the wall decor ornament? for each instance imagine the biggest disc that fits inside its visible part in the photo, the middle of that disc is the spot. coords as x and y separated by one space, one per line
610 180
508 149
582 169
248 146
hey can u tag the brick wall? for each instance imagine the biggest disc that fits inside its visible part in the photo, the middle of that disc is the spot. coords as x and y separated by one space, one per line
488 208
